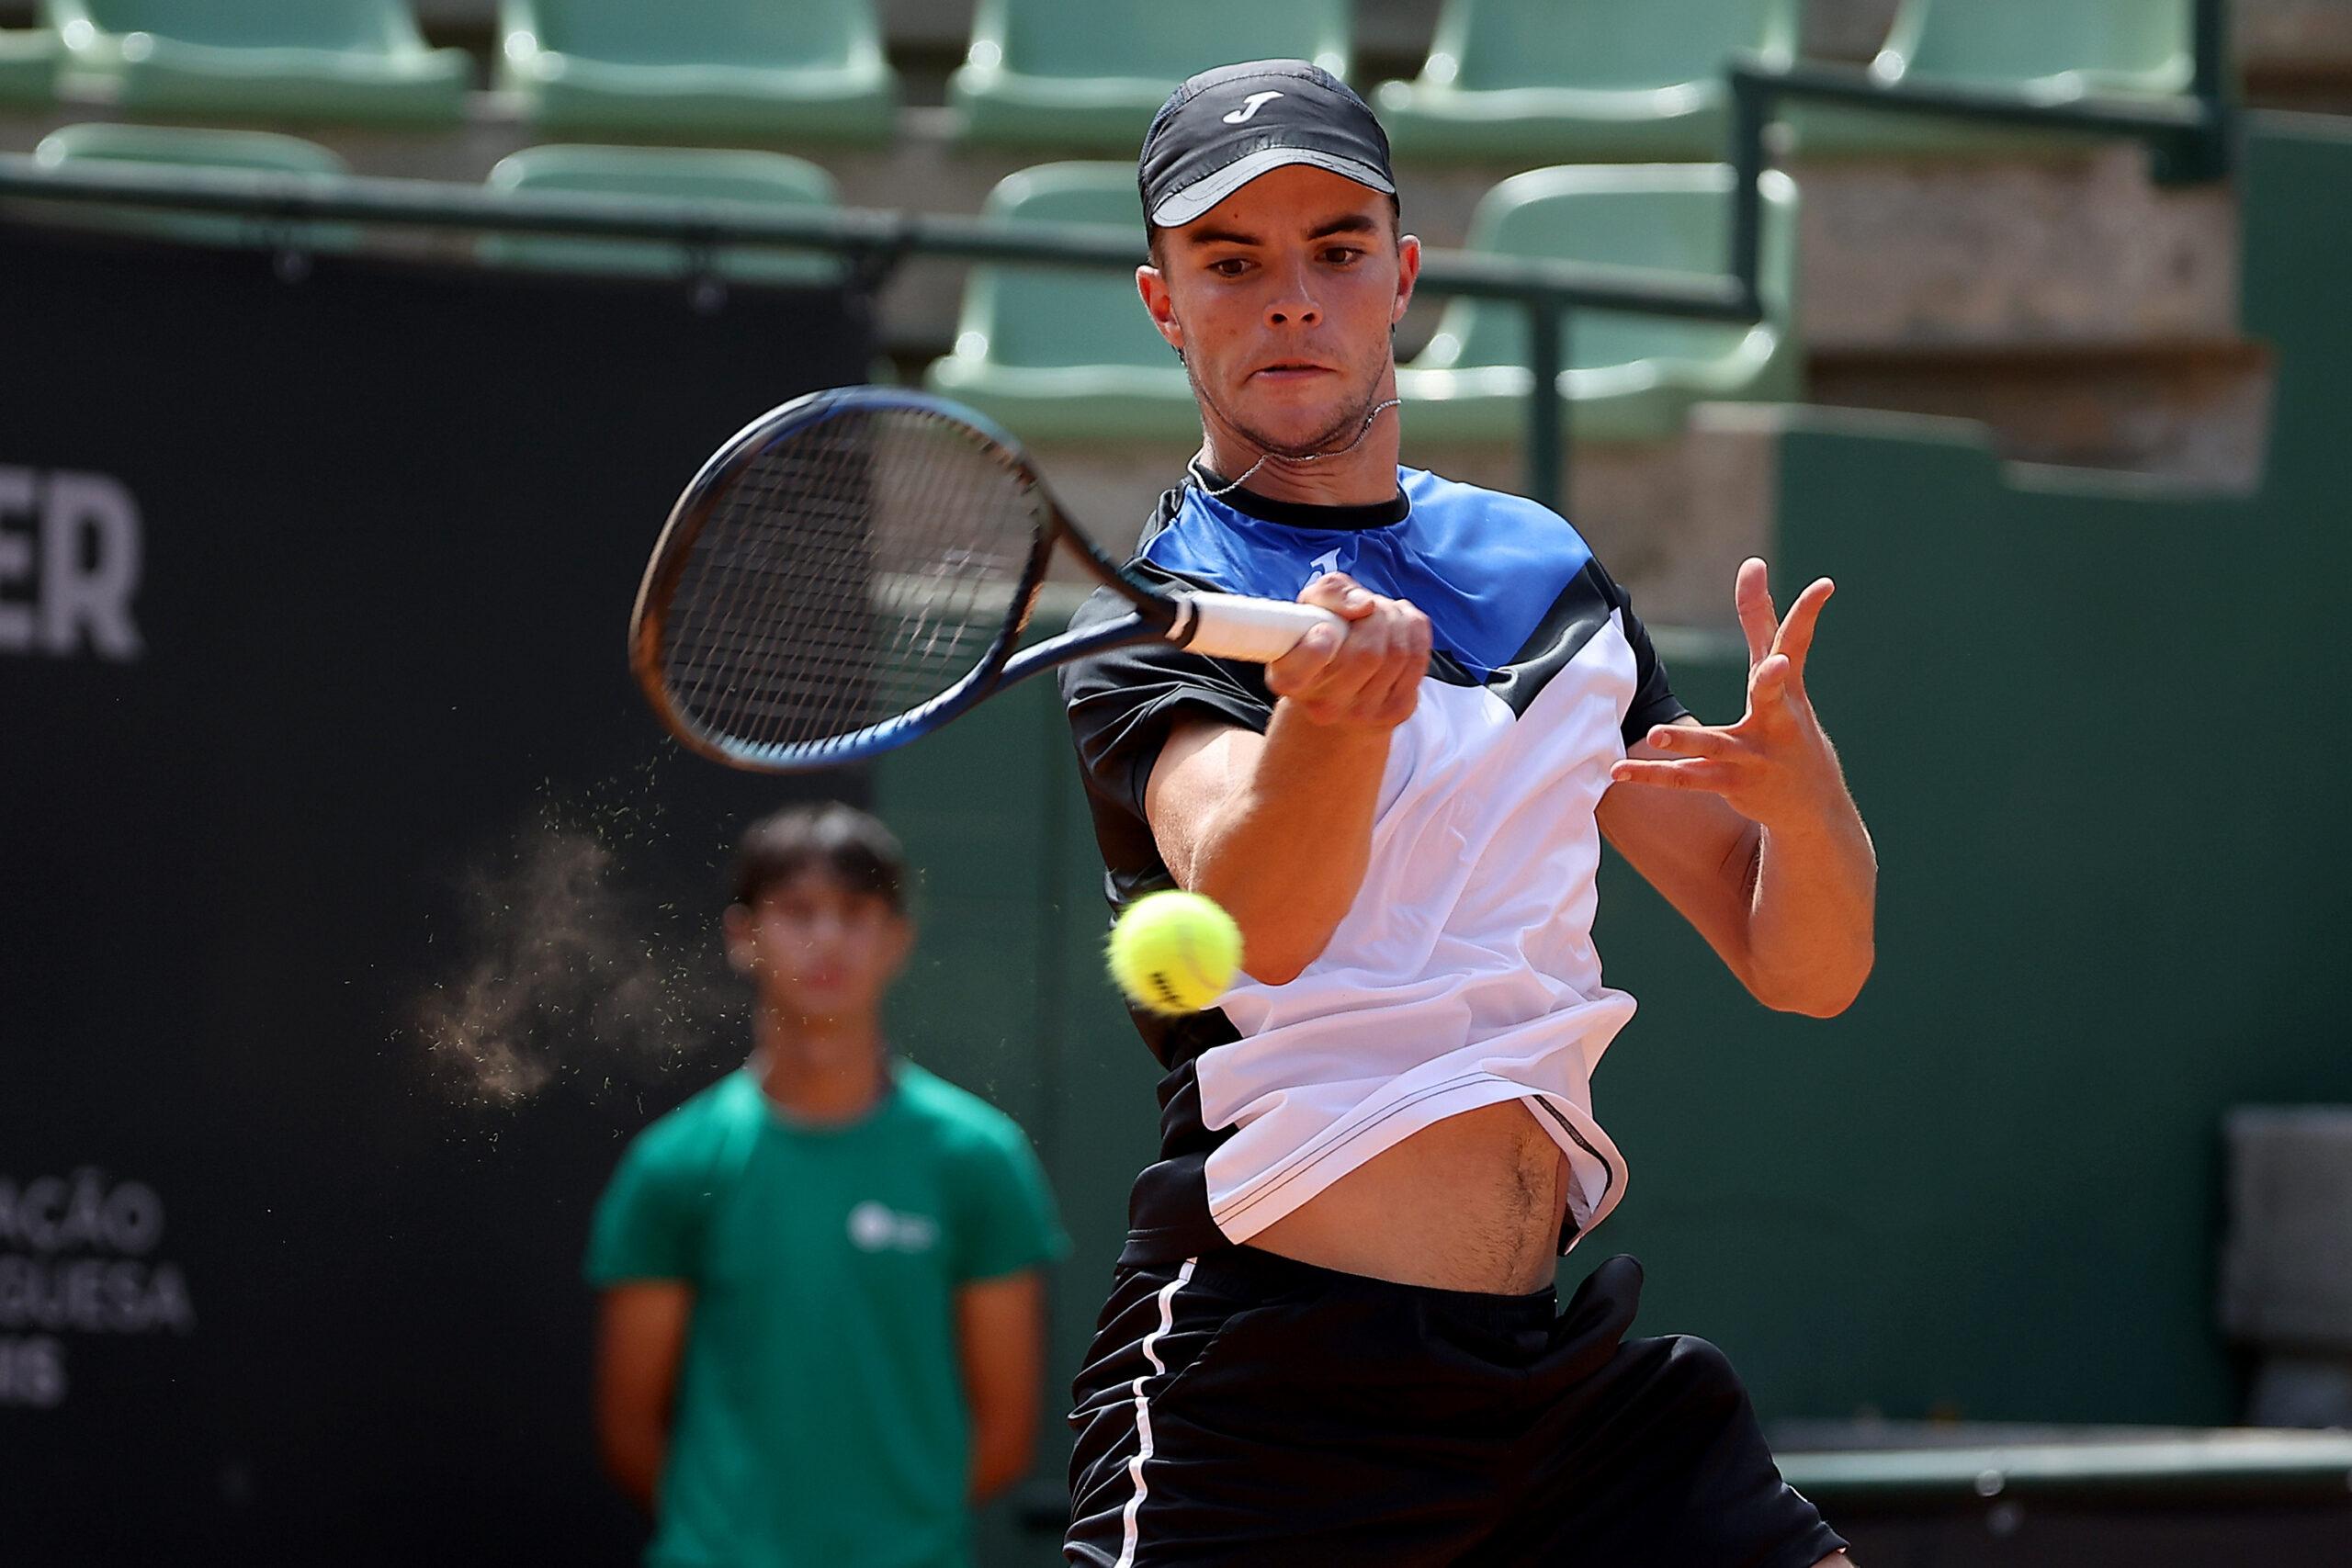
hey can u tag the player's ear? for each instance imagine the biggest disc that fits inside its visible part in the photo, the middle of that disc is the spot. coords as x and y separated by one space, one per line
735 928
1409 271
1152 284
902 942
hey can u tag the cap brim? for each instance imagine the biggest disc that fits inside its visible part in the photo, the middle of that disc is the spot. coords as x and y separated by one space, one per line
1207 192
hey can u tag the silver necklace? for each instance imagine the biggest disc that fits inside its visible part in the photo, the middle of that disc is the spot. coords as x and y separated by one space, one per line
1362 431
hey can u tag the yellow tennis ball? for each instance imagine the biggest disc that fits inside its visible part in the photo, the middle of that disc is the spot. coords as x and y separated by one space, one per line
1175 952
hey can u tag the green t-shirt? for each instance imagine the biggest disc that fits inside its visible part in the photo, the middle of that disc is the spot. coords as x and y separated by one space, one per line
821 1418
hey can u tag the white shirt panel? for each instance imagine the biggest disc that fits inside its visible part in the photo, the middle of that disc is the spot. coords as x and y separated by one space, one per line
1464 973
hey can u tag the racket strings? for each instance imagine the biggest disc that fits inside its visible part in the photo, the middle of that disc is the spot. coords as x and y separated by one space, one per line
782 644
857 569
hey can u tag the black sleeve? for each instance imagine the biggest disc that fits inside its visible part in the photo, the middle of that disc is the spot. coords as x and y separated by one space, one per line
1654 700
1122 703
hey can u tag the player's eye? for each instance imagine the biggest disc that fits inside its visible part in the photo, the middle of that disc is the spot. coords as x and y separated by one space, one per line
1229 266
1343 255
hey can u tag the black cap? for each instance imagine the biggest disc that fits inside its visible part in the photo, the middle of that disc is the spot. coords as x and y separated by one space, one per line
1224 127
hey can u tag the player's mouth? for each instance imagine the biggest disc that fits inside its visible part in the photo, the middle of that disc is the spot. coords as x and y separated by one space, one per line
1287 370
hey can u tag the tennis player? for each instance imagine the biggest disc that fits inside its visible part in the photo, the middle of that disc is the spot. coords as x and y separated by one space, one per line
822 1324
1332 1336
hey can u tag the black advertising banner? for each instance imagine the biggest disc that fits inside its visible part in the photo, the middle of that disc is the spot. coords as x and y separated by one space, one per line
353 911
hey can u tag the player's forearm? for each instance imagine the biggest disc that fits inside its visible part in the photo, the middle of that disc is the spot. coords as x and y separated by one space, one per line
634 1452
1286 848
1001 1456
1811 919
1000 1342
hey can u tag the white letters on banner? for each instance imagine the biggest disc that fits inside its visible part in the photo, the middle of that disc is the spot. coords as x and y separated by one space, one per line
76 1257
70 556
33 1371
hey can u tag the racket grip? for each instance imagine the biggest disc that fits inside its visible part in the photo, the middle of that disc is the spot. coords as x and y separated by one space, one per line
1231 625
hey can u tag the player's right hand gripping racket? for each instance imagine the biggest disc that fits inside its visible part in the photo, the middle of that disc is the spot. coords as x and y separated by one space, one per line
856 568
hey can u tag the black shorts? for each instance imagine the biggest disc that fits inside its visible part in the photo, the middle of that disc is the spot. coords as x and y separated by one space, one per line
1242 1408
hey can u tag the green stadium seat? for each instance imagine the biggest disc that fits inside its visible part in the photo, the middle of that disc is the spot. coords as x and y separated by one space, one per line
189 148
2049 51
1065 353
757 69
1064 74
1582 80
687 173
1630 376
28 60
313 60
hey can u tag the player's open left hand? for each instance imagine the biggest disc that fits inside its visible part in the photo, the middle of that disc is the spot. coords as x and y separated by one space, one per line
1369 677
1775 766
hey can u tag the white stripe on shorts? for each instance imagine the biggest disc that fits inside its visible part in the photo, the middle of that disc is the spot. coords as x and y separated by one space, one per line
1130 1529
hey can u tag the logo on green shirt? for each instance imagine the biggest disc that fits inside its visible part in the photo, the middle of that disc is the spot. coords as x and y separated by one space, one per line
877 1227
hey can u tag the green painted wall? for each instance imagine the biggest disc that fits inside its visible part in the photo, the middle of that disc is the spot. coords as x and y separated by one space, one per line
2099 737
2099 733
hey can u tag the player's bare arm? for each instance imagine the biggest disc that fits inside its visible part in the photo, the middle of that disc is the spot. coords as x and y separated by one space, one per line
1748 828
640 1336
1000 1343
1277 827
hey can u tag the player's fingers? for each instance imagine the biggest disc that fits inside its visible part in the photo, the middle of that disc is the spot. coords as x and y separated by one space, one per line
1364 676
1360 669
1767 690
1804 616
1696 740
1757 620
1697 773
1307 660
1340 594
1417 640
1403 686
1401 634
1328 690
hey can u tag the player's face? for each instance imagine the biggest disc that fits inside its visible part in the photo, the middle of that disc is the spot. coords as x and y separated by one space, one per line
818 949
1282 298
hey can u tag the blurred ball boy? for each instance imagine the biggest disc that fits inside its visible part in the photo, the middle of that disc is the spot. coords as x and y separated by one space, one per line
822 1327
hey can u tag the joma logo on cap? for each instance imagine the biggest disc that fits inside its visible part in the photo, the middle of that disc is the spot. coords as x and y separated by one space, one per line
1249 107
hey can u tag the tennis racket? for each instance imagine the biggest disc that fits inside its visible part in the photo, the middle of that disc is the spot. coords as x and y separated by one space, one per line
856 567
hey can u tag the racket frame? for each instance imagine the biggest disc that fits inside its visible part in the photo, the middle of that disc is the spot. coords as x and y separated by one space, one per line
1156 616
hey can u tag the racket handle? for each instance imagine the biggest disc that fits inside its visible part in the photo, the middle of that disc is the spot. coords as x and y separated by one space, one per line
1230 626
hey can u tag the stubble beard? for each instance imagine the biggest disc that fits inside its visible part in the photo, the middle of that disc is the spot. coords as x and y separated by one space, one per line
1345 428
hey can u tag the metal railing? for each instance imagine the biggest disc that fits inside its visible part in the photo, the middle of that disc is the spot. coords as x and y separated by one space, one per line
2192 137
873 241
2060 1471
2215 1467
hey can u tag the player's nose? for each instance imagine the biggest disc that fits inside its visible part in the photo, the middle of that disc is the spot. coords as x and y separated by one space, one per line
1294 304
